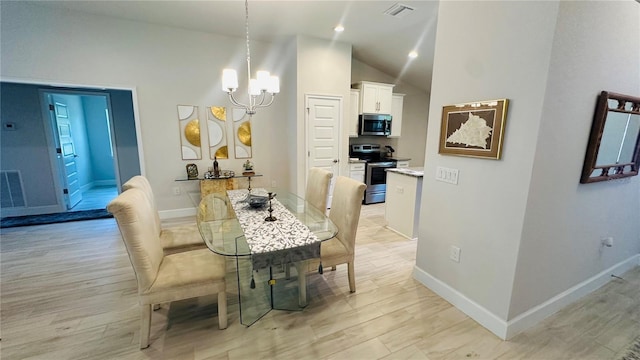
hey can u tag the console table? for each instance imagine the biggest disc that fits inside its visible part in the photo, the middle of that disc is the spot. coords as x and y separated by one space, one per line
220 184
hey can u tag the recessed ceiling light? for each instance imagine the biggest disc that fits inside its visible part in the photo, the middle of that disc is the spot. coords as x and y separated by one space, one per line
338 28
413 55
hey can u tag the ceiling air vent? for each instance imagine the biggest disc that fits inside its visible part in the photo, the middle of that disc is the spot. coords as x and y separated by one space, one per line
399 10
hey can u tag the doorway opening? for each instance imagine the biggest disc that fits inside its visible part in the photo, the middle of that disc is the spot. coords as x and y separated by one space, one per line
81 131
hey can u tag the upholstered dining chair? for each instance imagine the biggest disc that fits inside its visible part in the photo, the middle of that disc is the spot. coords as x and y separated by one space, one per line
318 182
164 278
345 214
174 238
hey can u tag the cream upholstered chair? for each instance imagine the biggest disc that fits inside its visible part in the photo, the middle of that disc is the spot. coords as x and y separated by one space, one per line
318 187
164 278
175 238
345 214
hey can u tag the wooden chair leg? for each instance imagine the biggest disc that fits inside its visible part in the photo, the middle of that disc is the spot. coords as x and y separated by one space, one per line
222 310
145 325
352 277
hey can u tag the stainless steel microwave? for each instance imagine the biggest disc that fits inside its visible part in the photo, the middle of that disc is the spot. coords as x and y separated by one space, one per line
374 125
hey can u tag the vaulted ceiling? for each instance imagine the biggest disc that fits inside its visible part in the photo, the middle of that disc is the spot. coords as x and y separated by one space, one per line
379 40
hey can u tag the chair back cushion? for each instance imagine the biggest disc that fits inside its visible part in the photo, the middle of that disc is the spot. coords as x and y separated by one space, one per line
141 182
135 218
345 209
318 187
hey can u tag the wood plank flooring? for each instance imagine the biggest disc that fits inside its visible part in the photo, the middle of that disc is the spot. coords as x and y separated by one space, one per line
68 292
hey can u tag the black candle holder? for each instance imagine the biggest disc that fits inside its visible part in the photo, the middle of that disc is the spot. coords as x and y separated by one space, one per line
270 209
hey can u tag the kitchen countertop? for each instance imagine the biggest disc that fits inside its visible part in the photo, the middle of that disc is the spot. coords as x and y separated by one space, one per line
355 160
411 171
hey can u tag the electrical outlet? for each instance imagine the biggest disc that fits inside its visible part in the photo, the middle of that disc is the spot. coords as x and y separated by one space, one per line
176 191
607 242
274 183
454 253
399 189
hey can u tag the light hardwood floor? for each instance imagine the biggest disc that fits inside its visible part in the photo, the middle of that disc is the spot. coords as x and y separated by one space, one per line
68 292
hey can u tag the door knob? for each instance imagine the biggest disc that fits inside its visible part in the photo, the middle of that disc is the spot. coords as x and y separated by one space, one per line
335 161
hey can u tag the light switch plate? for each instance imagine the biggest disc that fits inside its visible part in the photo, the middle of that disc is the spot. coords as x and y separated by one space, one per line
447 175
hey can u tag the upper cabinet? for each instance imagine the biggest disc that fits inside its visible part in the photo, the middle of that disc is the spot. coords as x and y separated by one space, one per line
375 98
397 104
353 113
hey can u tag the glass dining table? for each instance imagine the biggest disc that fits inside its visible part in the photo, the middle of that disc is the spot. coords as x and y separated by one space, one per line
271 235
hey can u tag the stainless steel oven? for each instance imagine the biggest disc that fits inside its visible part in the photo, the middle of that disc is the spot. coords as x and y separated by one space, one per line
375 174
376 181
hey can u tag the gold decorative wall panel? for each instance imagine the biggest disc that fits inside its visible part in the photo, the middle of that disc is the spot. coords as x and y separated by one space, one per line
242 134
217 129
189 125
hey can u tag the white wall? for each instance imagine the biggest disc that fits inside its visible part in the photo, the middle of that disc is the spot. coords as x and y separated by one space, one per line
484 213
529 231
596 47
98 130
323 68
165 66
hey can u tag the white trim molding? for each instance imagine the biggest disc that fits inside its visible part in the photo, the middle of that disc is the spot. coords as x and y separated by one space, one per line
177 213
507 329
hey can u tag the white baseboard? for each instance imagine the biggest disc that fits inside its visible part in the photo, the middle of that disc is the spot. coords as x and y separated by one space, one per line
177 213
571 295
399 233
507 329
110 182
36 210
474 310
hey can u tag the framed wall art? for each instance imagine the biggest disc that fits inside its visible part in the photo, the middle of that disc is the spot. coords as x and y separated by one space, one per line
189 132
242 134
473 129
217 129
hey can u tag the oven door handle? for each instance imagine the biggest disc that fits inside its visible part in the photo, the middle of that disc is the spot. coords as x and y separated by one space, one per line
389 164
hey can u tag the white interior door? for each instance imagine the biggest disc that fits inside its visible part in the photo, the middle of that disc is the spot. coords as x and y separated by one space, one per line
323 135
67 154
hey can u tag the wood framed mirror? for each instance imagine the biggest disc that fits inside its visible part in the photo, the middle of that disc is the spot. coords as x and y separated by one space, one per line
614 144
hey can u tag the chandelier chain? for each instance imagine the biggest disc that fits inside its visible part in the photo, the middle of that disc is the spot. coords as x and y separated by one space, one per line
246 8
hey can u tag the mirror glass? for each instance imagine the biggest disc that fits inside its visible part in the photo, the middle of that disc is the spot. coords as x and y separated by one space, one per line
614 145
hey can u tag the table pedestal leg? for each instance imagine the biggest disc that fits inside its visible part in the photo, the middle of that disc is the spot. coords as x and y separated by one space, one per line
301 267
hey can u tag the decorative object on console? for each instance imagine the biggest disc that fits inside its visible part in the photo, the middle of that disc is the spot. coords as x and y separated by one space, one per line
216 168
613 151
192 171
258 88
242 131
248 168
217 129
473 129
189 132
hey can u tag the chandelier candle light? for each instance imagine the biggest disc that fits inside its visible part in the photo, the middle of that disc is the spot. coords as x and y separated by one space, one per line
258 88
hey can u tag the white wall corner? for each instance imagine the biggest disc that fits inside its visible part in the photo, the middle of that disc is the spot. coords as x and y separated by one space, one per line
474 310
537 314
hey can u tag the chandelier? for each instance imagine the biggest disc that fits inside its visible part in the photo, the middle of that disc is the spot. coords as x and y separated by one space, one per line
258 88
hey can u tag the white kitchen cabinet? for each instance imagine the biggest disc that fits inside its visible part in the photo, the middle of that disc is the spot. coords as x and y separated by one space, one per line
402 164
356 171
375 98
397 103
353 113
